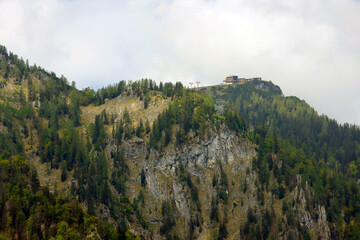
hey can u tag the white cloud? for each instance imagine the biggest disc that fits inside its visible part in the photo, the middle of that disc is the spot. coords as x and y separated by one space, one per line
310 48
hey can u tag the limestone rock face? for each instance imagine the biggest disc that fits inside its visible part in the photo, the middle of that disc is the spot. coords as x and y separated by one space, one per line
180 198
323 225
196 157
201 161
317 226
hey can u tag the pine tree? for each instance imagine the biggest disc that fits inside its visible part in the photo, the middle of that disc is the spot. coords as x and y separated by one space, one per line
147 126
140 129
147 100
4 69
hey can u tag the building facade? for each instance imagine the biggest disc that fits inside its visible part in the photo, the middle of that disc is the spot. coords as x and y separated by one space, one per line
236 80
231 80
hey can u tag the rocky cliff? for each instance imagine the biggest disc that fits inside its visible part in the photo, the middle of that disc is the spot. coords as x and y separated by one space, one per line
218 171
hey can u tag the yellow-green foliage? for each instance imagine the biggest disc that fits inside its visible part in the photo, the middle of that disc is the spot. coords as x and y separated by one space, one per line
29 210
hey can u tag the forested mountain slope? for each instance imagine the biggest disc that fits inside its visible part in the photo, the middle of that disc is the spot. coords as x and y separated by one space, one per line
325 153
32 103
293 119
160 161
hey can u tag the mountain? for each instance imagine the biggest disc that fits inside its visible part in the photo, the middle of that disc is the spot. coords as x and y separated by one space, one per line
142 160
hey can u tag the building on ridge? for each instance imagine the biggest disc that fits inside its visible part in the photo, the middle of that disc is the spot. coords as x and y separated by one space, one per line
231 79
241 80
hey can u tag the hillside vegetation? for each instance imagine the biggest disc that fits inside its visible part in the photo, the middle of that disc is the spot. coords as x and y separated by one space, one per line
149 160
324 152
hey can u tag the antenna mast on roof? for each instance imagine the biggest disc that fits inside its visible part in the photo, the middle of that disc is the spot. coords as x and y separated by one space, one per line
198 84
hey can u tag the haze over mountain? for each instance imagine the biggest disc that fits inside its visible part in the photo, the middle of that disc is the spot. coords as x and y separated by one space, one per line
310 48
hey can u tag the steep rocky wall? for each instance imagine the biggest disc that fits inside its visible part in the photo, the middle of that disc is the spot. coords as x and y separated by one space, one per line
310 216
202 159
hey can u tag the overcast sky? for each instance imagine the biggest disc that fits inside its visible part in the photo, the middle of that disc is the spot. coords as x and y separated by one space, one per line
310 48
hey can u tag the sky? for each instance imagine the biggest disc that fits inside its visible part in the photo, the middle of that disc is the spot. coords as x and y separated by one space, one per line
311 49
